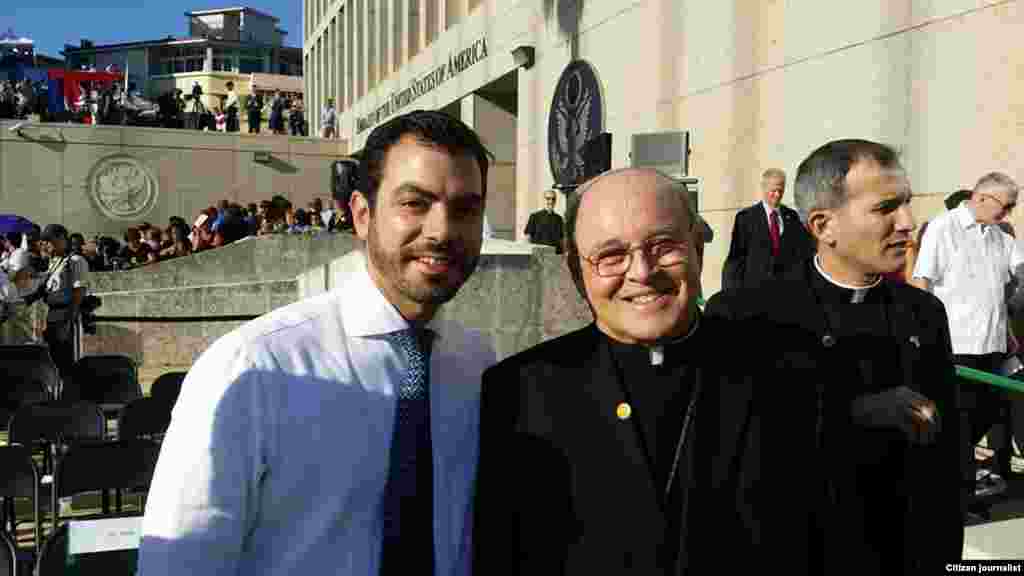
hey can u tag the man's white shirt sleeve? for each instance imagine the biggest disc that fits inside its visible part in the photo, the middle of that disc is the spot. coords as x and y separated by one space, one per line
79 268
204 495
930 261
1016 255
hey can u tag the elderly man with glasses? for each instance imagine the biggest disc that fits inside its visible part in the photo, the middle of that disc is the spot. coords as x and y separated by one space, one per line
588 441
967 259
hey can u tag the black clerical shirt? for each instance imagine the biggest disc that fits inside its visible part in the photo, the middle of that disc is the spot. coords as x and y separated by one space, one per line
865 464
658 396
859 322
659 393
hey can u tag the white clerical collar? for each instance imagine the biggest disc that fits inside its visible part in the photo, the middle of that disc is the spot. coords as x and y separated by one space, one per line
657 351
859 292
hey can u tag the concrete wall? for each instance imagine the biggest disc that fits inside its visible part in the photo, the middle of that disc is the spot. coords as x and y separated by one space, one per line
520 295
59 173
758 83
251 277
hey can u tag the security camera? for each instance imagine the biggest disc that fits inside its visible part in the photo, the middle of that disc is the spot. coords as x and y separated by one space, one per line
16 129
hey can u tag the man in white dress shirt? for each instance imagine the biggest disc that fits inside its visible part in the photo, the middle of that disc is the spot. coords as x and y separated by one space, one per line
282 456
966 259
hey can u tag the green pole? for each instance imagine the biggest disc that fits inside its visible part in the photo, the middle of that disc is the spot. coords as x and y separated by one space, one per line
982 377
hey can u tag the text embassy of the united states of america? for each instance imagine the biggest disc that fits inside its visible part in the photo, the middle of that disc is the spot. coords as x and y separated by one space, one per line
457 63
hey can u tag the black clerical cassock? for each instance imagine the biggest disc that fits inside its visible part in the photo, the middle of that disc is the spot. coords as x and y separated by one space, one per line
587 457
795 480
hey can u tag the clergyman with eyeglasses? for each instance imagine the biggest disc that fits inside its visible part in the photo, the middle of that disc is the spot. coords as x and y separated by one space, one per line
588 440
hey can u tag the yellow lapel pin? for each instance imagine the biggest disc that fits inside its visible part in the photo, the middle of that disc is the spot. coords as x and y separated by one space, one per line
623 411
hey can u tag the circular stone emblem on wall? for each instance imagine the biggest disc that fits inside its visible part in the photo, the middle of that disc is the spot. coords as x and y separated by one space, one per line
122 188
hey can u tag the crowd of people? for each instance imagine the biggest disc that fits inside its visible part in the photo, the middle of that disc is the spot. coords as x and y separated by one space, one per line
20 99
214 227
806 417
109 103
285 115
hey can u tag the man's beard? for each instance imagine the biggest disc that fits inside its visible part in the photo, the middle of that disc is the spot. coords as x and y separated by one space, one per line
391 267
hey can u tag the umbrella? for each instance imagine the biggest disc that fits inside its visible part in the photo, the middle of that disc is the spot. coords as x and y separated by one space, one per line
13 223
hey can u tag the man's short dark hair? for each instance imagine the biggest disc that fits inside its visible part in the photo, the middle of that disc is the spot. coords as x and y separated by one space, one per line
430 127
821 178
233 228
954 199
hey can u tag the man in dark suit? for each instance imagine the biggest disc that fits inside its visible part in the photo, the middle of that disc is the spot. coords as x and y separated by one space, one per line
767 238
546 226
587 440
848 451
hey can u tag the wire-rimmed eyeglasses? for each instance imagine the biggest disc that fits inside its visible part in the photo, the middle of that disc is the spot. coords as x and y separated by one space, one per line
617 261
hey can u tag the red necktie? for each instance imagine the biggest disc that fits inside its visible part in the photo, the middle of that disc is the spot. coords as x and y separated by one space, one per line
773 230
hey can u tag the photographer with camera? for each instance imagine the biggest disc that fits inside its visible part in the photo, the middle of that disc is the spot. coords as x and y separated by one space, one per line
197 119
64 292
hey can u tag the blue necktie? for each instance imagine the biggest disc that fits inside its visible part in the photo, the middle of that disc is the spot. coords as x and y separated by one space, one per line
408 504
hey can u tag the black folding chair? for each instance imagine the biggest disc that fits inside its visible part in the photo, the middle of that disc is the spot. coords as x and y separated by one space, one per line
19 478
18 392
51 560
49 426
8 557
167 387
55 422
29 375
90 467
101 466
144 418
109 381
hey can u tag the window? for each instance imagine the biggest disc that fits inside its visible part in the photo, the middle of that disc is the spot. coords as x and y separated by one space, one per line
250 60
248 65
223 60
179 59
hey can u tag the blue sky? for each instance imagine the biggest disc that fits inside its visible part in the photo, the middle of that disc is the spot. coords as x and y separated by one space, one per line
53 23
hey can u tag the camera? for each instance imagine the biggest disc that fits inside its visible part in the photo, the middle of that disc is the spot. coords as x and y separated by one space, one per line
345 178
39 264
88 308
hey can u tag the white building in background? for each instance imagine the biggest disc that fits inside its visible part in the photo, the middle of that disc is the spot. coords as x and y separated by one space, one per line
742 86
